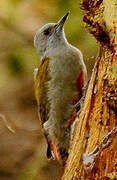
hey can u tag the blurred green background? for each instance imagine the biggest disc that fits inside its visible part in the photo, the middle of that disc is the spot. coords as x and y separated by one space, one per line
23 147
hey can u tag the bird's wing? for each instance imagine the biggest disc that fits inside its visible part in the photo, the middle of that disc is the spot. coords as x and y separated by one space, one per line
41 78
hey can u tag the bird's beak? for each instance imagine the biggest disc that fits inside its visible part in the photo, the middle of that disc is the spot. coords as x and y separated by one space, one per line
61 22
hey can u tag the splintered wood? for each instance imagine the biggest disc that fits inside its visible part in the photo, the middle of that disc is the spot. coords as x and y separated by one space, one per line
93 154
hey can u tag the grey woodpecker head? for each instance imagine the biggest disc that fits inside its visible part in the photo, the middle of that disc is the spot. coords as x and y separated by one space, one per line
50 36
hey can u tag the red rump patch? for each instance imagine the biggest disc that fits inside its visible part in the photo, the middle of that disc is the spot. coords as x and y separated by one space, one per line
54 149
80 84
70 122
80 80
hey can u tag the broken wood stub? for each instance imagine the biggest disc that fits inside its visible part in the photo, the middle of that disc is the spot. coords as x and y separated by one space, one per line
93 154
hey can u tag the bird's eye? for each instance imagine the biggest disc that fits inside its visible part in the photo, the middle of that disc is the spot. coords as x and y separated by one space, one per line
47 32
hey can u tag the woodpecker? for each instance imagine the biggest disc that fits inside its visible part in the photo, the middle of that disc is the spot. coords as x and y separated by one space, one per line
59 83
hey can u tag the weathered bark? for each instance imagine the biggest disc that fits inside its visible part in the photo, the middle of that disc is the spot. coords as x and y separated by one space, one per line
93 154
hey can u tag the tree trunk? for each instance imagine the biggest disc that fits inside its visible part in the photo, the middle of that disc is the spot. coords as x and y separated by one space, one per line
93 154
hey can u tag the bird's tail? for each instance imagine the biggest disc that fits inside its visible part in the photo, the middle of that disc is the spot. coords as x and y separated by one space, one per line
49 153
52 150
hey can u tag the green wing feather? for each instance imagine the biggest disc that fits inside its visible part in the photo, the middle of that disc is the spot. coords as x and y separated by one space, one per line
41 78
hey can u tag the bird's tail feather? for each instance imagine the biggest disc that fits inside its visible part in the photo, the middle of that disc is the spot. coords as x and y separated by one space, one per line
49 153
